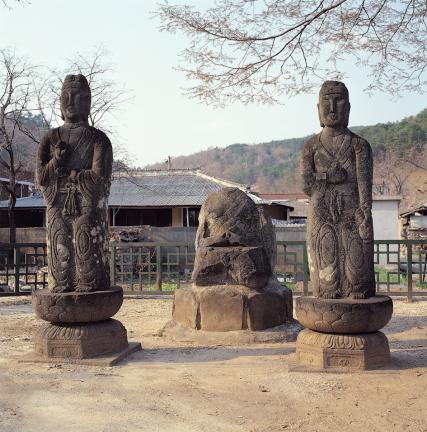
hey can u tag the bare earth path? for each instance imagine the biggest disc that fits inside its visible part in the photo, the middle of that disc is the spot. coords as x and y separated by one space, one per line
179 387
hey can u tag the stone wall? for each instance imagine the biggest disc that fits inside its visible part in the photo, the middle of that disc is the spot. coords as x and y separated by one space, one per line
147 233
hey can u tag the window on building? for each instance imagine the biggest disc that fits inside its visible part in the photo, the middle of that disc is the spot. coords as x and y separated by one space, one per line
136 217
191 216
24 218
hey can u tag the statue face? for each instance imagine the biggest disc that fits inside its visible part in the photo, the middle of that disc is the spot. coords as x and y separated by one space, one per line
75 104
333 109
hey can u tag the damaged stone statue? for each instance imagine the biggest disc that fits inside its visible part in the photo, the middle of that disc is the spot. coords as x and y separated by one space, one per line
337 167
74 166
234 287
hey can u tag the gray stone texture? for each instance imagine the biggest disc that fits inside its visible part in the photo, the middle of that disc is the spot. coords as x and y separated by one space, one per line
233 307
80 341
73 170
234 286
72 307
346 352
337 170
344 316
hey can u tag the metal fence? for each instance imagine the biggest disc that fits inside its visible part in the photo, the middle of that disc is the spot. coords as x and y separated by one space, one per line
146 267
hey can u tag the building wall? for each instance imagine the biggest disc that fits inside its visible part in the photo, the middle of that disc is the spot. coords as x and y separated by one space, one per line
385 215
25 235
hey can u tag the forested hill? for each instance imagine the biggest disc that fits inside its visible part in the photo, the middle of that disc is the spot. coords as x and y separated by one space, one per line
273 166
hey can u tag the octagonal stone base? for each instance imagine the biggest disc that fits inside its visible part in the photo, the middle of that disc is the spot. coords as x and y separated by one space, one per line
342 352
76 307
80 341
344 315
221 308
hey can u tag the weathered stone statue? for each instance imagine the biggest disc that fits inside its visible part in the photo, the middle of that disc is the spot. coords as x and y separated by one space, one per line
337 175
234 287
73 170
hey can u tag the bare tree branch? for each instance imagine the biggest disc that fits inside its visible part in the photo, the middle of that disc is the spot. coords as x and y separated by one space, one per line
263 50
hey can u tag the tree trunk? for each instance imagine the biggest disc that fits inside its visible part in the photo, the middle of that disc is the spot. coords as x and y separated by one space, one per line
12 226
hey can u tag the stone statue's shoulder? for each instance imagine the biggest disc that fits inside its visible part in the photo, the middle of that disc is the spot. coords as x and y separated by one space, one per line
51 135
100 136
311 143
359 143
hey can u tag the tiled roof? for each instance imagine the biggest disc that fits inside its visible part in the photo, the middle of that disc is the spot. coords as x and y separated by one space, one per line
420 206
157 189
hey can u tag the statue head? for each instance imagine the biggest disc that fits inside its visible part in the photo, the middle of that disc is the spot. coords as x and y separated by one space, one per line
334 105
75 99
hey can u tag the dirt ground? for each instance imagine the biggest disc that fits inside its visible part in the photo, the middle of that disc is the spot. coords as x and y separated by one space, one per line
183 387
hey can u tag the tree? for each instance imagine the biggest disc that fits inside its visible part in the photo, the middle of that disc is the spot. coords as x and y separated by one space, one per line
16 77
29 105
262 50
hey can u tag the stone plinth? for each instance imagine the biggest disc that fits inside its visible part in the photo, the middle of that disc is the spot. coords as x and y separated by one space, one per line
80 341
221 308
342 352
80 329
76 307
344 315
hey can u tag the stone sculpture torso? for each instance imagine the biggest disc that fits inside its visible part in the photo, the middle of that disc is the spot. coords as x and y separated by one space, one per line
337 176
229 242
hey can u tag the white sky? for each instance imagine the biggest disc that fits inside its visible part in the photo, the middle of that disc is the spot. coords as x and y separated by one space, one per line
161 121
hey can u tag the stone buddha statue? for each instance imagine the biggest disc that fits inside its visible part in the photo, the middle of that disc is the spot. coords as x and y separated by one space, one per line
73 170
337 176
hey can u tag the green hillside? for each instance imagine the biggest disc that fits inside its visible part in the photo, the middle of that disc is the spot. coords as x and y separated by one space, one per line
273 166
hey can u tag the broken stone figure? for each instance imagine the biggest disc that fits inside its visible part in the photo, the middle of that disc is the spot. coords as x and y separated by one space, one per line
344 315
234 287
73 170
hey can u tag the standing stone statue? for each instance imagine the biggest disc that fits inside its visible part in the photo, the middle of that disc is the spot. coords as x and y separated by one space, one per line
234 287
74 165
337 176
73 171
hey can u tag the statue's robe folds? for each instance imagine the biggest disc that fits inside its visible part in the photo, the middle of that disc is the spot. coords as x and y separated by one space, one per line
338 181
77 221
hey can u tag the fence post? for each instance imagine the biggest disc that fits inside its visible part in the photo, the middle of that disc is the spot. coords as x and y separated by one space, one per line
409 270
158 268
16 259
113 265
305 268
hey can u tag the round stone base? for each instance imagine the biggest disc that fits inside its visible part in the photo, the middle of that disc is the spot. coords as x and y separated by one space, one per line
75 307
80 341
222 308
344 315
343 352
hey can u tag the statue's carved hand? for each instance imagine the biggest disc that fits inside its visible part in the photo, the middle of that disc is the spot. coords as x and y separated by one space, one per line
60 152
336 174
363 219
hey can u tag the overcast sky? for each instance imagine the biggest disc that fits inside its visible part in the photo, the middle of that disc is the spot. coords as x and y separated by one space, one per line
161 121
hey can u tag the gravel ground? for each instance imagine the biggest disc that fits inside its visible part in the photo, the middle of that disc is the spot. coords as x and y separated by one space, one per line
173 386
